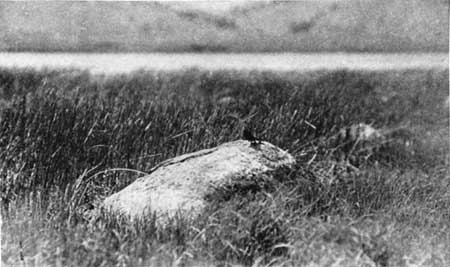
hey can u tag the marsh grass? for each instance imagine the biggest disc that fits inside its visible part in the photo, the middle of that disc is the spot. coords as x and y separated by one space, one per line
68 139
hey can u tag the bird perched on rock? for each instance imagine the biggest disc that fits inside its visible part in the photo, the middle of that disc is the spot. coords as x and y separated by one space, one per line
247 135
242 123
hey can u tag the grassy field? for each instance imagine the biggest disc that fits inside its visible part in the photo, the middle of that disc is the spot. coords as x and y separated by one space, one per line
338 207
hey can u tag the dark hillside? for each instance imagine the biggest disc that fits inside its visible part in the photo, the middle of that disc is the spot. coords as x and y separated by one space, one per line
348 25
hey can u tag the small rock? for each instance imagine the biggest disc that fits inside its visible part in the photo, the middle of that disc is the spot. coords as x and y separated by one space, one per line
361 132
226 101
182 184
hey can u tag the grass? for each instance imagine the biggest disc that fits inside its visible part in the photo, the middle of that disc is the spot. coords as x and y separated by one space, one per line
388 206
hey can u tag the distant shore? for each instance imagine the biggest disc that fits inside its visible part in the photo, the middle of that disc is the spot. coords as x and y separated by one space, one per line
110 63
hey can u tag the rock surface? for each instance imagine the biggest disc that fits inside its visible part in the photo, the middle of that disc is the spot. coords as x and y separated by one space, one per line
181 184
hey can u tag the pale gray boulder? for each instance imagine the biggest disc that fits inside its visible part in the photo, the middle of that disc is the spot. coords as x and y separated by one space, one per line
184 183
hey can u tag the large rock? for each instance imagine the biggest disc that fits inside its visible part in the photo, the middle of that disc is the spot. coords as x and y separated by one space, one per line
184 183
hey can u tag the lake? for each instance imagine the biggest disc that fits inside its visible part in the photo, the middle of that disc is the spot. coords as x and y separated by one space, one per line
127 62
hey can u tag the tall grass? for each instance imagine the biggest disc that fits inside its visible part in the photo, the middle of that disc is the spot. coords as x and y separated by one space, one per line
58 128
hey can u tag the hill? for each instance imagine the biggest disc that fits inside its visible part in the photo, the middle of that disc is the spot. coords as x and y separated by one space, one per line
307 26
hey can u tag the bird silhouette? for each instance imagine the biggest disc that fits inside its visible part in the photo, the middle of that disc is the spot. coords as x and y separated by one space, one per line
243 124
248 135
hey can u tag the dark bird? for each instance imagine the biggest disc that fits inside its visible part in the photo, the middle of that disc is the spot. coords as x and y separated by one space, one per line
247 135
242 123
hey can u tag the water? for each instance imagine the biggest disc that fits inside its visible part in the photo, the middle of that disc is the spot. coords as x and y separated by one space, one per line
123 63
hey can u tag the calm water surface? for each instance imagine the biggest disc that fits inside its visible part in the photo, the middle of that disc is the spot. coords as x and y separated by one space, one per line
122 63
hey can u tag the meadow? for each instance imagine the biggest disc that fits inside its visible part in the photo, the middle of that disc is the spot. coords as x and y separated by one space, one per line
69 138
